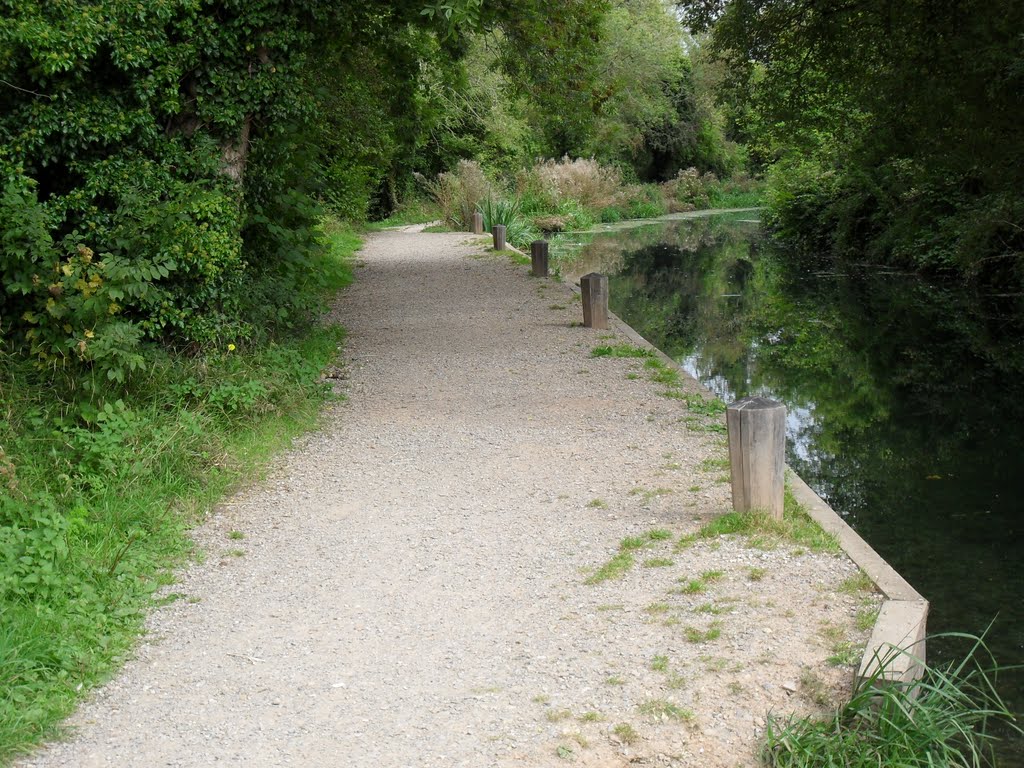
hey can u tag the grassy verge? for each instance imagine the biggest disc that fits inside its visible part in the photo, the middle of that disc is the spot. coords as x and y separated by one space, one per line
99 488
765 532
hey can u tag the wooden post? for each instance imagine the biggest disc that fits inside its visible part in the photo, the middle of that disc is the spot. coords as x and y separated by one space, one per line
595 300
757 454
498 233
539 258
477 225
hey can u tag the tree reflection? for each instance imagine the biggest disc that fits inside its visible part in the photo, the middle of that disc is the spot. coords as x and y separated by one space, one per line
905 397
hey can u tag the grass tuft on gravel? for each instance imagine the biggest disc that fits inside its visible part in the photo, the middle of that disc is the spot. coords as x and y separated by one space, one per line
615 568
662 709
764 532
620 350
623 560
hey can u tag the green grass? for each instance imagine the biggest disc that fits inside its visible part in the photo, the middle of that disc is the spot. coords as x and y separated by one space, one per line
667 376
650 495
632 542
616 568
662 709
694 635
764 532
692 587
696 424
698 585
865 618
626 733
647 539
620 350
943 719
714 465
659 663
845 654
859 583
98 488
727 198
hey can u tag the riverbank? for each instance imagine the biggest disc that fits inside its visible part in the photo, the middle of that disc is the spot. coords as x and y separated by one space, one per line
441 574
910 439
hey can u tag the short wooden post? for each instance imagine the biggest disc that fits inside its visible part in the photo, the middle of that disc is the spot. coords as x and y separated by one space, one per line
539 258
757 454
498 233
595 300
477 225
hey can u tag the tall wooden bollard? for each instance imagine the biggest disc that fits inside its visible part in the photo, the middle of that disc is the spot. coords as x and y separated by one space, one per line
477 225
595 300
757 454
539 258
498 233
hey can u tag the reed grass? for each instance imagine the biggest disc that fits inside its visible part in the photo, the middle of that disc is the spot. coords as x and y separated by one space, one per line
943 719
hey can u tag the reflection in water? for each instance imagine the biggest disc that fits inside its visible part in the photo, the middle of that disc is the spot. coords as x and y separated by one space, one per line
905 400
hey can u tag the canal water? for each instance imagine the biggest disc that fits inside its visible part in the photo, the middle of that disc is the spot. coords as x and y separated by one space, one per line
905 400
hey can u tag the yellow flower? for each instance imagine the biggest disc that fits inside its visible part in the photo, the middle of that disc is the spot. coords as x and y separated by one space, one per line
231 347
89 334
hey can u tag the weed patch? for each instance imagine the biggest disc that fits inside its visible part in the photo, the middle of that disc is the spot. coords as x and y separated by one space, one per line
662 709
765 532
857 584
695 635
615 568
626 733
620 350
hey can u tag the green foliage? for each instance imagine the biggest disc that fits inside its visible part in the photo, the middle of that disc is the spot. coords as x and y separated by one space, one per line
764 531
99 483
847 101
945 718
620 350
616 568
508 213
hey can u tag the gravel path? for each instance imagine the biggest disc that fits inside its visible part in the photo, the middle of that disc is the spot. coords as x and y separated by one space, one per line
413 585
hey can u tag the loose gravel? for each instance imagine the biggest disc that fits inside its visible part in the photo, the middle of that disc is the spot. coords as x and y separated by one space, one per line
411 589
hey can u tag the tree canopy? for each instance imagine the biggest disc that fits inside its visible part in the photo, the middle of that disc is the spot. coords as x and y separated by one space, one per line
161 163
896 126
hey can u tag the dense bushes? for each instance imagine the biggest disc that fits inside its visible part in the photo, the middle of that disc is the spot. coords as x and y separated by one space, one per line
574 194
161 167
